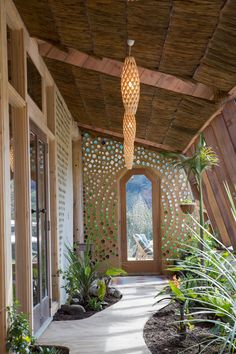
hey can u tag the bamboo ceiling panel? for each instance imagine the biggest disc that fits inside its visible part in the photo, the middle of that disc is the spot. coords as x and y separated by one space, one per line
190 39
192 24
95 99
218 66
193 40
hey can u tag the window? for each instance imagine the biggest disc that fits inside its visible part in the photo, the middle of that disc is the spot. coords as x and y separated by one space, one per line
34 83
139 222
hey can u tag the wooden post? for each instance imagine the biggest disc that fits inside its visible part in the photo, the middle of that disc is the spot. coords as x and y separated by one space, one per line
5 234
22 206
51 120
78 224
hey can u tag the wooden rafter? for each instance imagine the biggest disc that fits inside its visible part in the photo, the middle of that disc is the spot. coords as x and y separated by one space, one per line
120 136
113 67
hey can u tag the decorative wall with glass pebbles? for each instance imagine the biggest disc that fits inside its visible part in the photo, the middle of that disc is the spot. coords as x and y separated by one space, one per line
103 164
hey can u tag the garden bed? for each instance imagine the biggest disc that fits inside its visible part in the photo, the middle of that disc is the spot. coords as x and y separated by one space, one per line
161 334
63 315
51 349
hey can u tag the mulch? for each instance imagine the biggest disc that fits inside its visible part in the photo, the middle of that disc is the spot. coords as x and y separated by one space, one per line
161 334
60 315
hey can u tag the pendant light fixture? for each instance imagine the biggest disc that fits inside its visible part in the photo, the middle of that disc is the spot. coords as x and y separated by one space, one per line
129 155
129 128
130 91
130 83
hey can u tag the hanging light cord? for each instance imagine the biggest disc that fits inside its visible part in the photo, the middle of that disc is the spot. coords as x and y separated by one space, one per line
130 43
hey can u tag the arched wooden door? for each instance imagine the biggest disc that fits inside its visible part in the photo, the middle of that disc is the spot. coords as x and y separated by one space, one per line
140 222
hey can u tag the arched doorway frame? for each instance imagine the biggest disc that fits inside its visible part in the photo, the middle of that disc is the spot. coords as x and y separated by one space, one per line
148 266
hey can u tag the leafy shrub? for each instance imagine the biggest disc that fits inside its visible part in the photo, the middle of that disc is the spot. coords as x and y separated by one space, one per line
94 304
113 272
211 289
19 336
80 274
45 350
101 289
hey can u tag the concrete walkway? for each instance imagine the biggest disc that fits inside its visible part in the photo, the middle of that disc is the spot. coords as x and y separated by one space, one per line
116 330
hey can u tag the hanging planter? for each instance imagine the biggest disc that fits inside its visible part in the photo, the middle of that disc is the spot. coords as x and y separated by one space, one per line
187 206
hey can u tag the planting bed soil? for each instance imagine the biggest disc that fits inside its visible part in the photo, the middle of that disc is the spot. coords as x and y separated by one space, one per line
62 315
161 335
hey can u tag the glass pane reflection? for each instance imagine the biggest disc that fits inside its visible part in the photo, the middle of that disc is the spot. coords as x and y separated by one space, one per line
139 218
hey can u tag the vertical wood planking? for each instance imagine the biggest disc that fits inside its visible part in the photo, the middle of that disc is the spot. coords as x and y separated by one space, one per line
5 232
77 190
221 135
22 207
229 114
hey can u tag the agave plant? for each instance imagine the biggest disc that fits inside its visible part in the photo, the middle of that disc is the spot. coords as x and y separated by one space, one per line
214 292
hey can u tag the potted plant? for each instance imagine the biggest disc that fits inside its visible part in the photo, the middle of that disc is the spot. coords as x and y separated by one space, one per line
187 206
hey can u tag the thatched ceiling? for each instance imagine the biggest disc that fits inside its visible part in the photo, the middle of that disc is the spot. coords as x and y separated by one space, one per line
191 39
97 97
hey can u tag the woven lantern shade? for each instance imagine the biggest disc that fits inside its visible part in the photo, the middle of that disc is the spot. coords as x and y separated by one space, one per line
130 85
129 128
129 155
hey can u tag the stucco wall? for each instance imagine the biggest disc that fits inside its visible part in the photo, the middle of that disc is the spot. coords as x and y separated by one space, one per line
103 165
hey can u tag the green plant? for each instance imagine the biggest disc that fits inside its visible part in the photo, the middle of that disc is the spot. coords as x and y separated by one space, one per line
113 272
46 350
177 291
71 283
231 200
213 284
101 289
202 160
81 272
94 304
19 336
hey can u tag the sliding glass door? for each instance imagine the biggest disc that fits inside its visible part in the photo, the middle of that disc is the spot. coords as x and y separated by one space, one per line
39 226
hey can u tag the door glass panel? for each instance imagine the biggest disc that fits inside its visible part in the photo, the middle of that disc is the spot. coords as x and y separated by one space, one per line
34 221
42 217
139 218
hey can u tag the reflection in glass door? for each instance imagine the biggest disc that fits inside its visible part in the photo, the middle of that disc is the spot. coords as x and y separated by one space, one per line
139 218
39 225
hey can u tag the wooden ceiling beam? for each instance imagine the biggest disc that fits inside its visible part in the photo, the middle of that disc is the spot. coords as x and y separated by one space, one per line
113 67
120 136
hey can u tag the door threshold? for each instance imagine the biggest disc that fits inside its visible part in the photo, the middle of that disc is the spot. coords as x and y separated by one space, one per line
41 330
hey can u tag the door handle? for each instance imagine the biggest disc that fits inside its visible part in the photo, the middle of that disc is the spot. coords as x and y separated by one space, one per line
43 211
33 211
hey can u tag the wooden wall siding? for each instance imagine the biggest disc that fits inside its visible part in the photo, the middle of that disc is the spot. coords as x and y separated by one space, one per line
221 135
